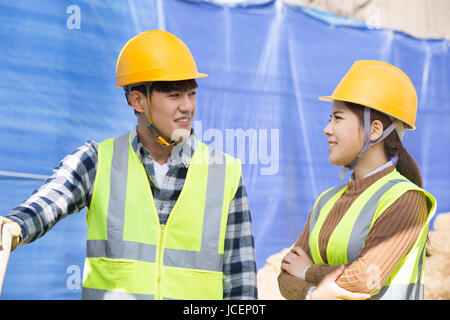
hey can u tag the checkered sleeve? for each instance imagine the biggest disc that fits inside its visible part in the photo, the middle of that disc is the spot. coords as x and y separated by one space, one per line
67 191
239 253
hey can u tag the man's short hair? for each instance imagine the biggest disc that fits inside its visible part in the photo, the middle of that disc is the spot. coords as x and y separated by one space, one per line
162 86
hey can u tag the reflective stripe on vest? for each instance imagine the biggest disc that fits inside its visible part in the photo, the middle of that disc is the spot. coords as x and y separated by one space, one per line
347 240
208 261
363 221
321 208
410 291
98 294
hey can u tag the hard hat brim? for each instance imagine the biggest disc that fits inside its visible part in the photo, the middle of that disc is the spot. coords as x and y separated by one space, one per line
121 82
325 98
331 99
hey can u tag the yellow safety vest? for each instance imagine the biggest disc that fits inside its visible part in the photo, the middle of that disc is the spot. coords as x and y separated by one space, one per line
347 240
130 255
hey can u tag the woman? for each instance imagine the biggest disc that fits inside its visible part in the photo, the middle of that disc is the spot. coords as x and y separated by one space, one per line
366 238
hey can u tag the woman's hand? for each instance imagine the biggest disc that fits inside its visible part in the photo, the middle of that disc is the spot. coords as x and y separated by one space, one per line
329 290
295 262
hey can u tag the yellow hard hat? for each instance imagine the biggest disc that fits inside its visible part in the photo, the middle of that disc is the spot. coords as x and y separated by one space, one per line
380 86
155 55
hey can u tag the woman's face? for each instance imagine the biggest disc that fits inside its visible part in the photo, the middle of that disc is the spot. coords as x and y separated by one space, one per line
345 135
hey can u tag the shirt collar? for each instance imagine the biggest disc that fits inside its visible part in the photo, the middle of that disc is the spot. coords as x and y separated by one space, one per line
181 152
384 166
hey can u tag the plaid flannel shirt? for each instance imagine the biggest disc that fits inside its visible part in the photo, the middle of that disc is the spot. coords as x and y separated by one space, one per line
70 187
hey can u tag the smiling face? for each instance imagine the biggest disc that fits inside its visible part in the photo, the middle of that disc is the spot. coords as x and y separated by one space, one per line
345 135
173 111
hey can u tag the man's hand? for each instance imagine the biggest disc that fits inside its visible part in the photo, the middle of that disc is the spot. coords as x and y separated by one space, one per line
14 229
329 290
295 262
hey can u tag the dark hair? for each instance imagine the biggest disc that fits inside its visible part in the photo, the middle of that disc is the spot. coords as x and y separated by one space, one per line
166 86
393 147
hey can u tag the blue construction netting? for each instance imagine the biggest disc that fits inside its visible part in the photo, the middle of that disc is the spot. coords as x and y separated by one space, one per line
267 64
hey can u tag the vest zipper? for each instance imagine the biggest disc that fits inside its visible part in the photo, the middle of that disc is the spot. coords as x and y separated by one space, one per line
160 263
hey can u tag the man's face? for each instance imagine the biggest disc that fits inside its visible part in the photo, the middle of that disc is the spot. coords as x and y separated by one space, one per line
172 111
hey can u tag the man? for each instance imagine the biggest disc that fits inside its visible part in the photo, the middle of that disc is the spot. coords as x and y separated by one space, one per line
168 216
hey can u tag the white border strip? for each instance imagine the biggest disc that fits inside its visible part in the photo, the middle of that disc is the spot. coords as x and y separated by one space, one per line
23 175
161 17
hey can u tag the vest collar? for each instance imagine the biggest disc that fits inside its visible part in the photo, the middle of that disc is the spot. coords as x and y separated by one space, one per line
380 168
356 187
181 153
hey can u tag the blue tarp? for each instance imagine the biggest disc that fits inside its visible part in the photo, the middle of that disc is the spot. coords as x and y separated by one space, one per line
267 64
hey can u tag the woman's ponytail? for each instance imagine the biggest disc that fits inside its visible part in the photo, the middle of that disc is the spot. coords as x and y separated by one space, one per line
406 164
408 167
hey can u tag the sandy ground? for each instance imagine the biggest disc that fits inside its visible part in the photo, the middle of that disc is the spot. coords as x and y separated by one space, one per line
437 267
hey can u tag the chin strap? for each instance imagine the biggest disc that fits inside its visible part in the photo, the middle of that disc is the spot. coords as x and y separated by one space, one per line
149 121
396 124
150 126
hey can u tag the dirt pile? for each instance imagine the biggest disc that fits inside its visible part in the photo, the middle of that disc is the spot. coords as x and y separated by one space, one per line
437 267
